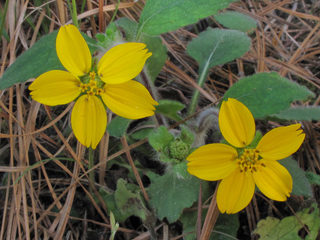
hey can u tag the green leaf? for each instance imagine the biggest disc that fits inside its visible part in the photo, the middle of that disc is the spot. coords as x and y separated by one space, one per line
298 113
170 109
288 228
213 47
226 226
159 56
189 221
160 139
129 27
172 192
112 37
186 135
160 16
142 130
313 178
266 226
128 202
301 185
218 46
40 58
267 93
236 21
100 37
118 126
110 201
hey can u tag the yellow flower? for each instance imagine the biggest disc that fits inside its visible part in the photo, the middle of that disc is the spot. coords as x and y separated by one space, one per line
93 85
242 166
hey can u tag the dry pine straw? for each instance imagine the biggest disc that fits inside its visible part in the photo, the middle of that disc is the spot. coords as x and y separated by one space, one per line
286 41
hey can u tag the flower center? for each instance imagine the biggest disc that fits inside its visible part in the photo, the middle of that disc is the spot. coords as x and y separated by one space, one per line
250 161
91 84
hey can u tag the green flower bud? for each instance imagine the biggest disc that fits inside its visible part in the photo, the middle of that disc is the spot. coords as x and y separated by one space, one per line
178 149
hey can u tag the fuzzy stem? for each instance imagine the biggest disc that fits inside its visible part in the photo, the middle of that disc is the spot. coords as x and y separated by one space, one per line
201 80
115 12
74 14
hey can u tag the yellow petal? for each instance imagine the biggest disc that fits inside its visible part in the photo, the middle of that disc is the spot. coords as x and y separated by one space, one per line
281 142
274 181
236 123
89 120
55 88
129 100
73 51
122 62
212 162
235 192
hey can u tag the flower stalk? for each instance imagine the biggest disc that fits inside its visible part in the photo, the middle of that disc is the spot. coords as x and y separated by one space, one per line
91 173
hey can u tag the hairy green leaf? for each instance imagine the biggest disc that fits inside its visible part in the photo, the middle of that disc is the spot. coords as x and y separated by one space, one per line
160 16
160 138
118 126
298 113
313 178
213 47
186 135
236 21
142 130
267 93
301 185
129 27
128 202
159 56
110 201
218 46
289 227
172 192
170 109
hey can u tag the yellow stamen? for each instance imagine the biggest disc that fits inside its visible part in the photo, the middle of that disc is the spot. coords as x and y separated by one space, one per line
91 88
92 75
100 91
92 83
249 161
83 87
91 93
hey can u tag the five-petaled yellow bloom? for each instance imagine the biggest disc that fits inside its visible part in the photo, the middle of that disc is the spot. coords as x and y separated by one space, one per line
241 167
92 84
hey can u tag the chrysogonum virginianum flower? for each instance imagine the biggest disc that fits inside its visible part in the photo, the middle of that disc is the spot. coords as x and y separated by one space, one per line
240 165
94 84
